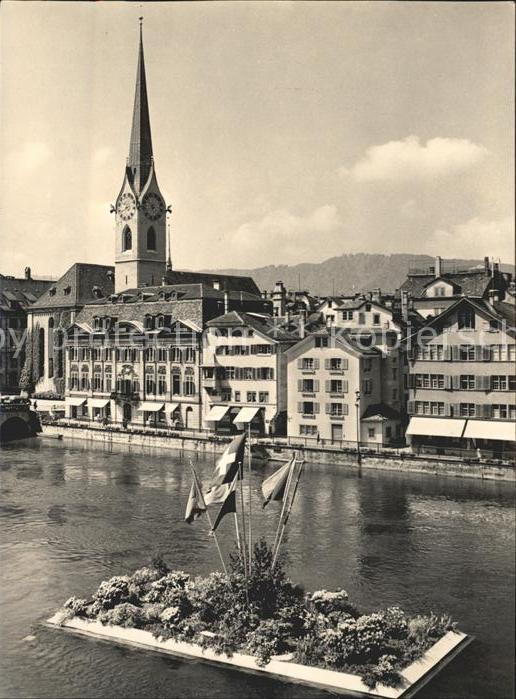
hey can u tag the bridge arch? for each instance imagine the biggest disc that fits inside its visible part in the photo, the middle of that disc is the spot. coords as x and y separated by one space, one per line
14 428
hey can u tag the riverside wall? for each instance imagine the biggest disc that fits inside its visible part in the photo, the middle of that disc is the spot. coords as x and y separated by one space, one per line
409 463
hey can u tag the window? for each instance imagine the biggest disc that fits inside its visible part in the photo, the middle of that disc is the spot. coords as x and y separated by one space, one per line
308 408
74 380
176 380
498 383
467 410
347 315
367 364
371 432
467 353
251 396
149 354
175 354
148 322
308 363
97 381
467 382
361 318
466 319
394 374
511 353
308 430
336 386
368 386
394 394
321 342
189 354
225 395
189 383
499 412
127 240
263 397
335 364
307 386
376 319
151 239
85 381
108 379
512 383
162 384
237 397
336 410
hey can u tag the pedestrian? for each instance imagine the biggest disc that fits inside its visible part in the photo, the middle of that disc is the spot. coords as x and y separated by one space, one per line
479 454
35 405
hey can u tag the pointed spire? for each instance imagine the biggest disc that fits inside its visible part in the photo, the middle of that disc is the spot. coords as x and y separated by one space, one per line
140 147
169 258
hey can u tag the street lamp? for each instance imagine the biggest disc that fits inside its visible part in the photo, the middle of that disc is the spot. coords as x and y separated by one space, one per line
357 406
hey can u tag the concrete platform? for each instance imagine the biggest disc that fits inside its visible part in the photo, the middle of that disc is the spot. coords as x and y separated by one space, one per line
281 667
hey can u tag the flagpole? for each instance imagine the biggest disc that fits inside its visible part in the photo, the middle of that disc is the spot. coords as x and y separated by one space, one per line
244 537
287 515
284 504
197 485
249 487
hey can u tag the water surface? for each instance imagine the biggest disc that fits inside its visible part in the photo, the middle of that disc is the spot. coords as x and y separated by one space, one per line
73 514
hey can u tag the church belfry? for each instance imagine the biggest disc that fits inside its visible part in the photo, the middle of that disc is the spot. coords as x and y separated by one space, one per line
140 211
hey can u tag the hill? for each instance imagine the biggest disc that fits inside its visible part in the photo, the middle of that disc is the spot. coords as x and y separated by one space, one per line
347 273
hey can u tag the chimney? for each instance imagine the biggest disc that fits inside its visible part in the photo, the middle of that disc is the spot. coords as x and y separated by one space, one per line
226 301
163 280
301 325
404 305
27 273
438 267
376 295
494 296
486 265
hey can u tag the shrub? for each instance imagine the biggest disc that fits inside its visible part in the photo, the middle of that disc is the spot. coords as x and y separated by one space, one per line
76 606
114 591
384 672
268 638
125 614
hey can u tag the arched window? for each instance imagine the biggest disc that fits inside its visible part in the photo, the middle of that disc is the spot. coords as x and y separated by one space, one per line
50 348
41 348
151 239
127 239
176 381
189 382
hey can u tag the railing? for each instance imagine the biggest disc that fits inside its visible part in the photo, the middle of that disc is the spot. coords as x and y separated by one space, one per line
396 450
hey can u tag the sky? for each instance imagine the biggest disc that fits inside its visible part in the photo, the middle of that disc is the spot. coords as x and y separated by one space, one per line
283 132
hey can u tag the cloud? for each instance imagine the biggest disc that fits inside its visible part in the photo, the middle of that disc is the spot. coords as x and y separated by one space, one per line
28 158
410 209
283 237
409 159
475 238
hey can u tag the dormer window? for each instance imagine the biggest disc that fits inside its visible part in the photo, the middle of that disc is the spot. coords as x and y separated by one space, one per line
161 321
97 292
148 324
52 291
67 290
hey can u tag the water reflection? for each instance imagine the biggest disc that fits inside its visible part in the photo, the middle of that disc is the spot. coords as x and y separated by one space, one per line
80 513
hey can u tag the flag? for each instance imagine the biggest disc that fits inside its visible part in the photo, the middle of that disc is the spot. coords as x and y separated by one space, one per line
273 488
195 505
227 466
228 506
216 494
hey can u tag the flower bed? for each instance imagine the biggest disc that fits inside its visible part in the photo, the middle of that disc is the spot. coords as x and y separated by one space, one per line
269 616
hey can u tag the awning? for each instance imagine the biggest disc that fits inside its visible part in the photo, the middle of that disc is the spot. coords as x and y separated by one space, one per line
491 429
98 402
75 401
245 415
173 406
436 426
217 412
148 407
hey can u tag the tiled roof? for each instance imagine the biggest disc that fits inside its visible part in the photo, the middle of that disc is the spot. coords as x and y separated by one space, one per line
20 293
227 281
76 287
265 324
471 283
380 411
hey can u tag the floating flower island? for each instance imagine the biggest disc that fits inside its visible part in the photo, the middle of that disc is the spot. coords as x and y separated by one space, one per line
263 622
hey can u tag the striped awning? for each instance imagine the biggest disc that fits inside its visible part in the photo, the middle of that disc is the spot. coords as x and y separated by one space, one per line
98 402
245 415
436 427
149 407
75 401
491 429
217 412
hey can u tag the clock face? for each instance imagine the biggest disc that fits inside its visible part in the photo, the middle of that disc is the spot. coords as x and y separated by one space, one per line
126 206
153 206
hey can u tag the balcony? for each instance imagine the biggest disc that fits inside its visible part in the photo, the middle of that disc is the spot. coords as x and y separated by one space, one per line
130 396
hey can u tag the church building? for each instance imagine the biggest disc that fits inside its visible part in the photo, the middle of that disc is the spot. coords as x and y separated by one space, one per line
142 300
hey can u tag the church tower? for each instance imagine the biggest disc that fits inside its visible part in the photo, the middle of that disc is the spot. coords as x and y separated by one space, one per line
140 250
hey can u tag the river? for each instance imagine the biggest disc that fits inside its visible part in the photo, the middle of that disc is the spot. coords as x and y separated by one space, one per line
74 513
